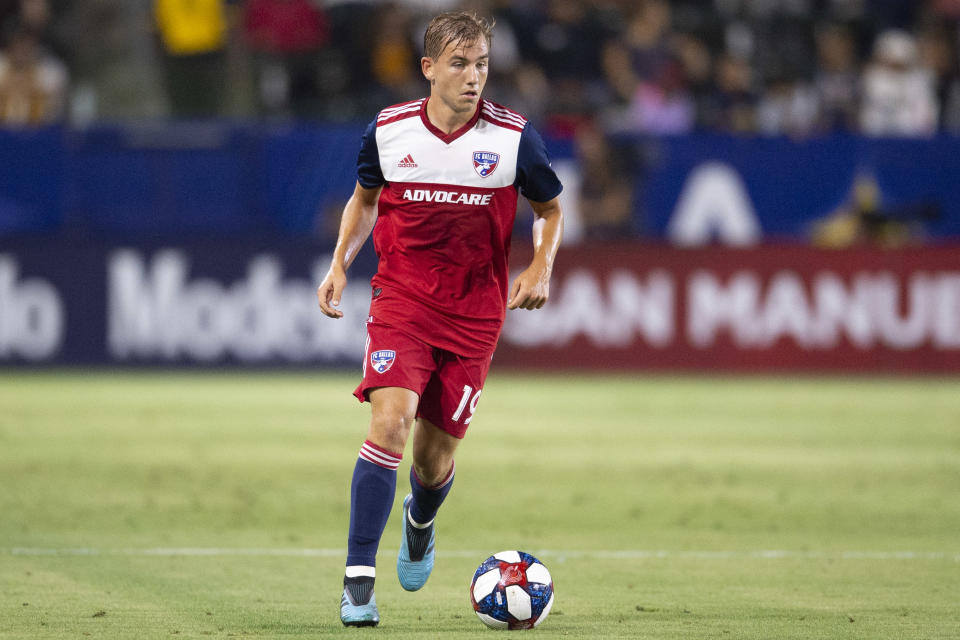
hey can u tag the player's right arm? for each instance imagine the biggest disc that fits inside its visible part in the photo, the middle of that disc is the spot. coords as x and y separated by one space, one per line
359 216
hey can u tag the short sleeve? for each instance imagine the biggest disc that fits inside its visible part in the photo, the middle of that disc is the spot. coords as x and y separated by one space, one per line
369 174
536 179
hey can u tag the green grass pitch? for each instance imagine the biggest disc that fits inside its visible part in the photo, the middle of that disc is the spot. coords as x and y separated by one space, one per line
138 505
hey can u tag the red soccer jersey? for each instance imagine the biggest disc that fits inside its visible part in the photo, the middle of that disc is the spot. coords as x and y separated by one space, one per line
445 218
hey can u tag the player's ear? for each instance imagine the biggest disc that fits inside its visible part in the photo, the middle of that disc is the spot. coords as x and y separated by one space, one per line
426 66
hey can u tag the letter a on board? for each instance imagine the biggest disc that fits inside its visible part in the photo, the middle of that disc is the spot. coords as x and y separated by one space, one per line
714 206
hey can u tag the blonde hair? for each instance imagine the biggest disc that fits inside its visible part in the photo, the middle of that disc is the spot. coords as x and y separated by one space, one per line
457 27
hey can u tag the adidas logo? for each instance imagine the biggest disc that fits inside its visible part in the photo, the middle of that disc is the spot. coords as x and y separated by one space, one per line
407 162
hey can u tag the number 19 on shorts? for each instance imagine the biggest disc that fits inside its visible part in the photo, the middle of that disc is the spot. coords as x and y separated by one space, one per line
469 399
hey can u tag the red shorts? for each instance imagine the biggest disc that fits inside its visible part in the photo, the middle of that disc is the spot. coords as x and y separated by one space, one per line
449 385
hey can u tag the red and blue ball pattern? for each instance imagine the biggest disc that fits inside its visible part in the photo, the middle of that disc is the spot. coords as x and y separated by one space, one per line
511 590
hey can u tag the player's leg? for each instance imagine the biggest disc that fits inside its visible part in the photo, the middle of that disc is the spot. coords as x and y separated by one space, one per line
446 409
431 477
396 369
374 483
372 491
431 474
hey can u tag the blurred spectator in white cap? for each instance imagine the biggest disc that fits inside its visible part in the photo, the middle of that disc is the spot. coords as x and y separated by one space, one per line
898 94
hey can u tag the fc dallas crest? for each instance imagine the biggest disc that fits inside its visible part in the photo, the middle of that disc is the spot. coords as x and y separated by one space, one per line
485 162
383 359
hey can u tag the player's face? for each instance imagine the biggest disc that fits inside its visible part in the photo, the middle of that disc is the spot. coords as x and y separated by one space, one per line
458 75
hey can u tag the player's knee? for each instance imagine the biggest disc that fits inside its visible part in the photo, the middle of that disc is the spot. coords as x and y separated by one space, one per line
433 471
390 427
393 422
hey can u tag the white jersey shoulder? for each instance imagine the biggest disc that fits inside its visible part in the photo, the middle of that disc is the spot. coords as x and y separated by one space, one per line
502 116
400 111
485 156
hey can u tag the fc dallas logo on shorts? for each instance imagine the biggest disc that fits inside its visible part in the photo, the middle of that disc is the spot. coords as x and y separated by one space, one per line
383 359
485 162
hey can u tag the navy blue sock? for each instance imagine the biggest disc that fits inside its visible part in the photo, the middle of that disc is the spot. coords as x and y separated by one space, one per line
371 498
427 500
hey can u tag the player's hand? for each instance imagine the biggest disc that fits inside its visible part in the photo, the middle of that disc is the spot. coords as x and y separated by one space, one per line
330 291
530 290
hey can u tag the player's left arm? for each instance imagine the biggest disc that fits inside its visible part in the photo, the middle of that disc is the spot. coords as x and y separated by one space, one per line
531 289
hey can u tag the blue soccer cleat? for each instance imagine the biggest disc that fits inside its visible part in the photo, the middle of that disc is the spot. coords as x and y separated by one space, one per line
415 560
358 607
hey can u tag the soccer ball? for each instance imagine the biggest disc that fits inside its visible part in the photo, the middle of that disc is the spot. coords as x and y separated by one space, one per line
512 590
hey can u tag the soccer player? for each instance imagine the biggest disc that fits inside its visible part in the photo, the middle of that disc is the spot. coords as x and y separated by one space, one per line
437 185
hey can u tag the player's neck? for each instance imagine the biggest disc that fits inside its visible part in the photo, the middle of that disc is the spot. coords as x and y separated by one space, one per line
444 118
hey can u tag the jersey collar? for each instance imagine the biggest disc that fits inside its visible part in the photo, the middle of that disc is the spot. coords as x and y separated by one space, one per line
453 135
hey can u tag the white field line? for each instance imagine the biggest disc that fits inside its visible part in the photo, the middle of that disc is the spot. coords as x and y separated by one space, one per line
559 555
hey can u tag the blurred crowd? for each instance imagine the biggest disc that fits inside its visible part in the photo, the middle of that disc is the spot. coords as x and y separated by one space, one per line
773 67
